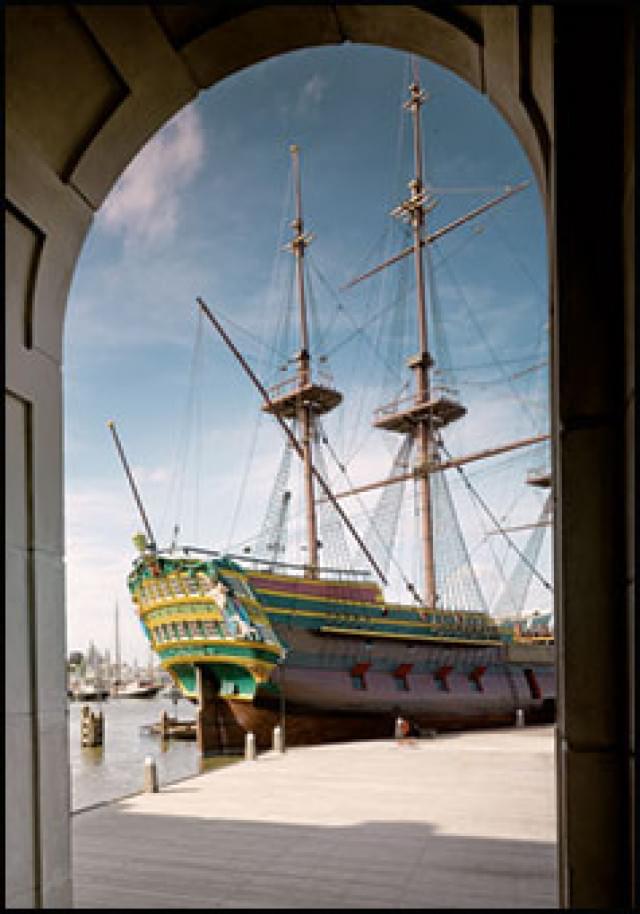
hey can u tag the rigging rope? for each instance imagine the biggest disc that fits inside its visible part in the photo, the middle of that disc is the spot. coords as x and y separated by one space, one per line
184 438
334 547
516 588
271 294
383 524
366 514
483 336
271 541
496 522
457 584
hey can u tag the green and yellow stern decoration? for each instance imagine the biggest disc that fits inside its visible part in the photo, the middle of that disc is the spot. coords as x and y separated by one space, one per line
203 613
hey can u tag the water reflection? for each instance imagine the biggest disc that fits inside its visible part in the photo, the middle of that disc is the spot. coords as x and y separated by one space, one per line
116 768
92 755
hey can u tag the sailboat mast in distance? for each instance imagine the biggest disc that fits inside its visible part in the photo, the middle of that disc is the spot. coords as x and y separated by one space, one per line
117 677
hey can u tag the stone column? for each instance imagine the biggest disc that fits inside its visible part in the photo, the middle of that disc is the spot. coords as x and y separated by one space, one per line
594 492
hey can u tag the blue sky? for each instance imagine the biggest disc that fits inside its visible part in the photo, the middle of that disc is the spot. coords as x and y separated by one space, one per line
204 210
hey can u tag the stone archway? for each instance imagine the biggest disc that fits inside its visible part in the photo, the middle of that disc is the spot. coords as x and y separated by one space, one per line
87 86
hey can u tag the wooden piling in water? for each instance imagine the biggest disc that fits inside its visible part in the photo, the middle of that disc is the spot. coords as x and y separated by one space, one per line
91 728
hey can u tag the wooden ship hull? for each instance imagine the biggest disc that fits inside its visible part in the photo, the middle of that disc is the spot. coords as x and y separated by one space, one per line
328 660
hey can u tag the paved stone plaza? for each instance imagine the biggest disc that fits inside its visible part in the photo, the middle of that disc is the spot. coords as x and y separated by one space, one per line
464 820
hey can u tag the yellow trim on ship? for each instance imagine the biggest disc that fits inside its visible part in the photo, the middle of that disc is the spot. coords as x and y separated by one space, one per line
259 669
184 617
390 607
216 642
372 634
379 621
147 606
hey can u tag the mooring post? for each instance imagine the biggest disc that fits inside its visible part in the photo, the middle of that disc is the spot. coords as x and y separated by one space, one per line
278 742
250 747
150 775
164 724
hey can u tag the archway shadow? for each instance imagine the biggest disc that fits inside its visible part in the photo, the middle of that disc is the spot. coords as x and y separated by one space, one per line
126 859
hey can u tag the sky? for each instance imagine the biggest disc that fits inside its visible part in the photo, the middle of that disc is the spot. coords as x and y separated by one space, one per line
204 210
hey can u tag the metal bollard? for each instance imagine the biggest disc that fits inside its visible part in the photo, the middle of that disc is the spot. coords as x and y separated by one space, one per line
249 747
278 743
519 717
150 775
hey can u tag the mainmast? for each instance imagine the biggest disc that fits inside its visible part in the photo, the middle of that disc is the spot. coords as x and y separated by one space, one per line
428 413
421 364
307 400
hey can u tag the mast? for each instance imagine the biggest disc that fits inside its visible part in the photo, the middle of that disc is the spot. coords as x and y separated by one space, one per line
430 409
325 399
303 399
151 540
422 363
305 414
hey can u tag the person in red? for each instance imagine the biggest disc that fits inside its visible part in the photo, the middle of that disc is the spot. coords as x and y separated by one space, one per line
404 734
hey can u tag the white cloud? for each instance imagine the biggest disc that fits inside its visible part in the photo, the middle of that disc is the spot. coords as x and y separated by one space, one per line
145 203
312 92
160 474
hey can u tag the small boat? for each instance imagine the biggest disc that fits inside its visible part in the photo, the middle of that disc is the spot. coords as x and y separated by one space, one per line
90 693
172 692
89 689
140 688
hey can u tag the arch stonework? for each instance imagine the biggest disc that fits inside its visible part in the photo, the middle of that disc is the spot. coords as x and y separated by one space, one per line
86 87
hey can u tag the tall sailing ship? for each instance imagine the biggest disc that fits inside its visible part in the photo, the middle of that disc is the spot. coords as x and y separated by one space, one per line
260 642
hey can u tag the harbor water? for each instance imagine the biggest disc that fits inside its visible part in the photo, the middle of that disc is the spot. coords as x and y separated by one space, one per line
116 769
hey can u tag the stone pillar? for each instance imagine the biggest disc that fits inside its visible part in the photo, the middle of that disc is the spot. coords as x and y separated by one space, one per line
39 268
593 409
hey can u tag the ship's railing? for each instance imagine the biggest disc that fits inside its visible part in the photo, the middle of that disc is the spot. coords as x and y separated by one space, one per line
283 387
358 574
397 405
289 384
340 574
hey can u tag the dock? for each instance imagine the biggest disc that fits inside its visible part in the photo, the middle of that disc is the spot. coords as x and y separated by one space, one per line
460 820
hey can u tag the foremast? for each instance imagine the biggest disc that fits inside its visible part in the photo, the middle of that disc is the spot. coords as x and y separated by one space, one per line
307 400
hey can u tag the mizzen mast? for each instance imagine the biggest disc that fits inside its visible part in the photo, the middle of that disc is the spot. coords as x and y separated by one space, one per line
303 400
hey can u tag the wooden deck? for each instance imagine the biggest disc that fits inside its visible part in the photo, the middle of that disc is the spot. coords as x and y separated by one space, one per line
465 820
